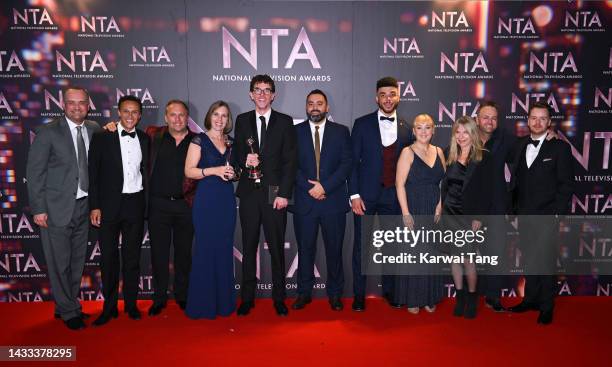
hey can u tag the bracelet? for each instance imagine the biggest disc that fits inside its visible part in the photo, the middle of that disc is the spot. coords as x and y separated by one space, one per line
203 174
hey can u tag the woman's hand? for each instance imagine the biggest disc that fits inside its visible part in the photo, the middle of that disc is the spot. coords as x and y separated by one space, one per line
408 221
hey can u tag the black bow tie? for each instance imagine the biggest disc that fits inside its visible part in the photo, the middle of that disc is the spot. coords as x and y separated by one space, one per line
131 135
387 118
534 142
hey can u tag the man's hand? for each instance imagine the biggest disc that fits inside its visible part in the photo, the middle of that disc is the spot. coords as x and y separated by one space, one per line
280 203
111 126
316 191
41 220
96 217
252 160
358 206
476 224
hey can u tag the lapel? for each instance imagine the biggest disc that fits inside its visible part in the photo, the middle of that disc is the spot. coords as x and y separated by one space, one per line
67 137
401 132
376 127
543 153
116 150
270 128
310 153
253 134
329 130
89 129
142 138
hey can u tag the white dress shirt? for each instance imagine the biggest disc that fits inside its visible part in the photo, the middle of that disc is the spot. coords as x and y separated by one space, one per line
73 132
131 157
388 129
258 121
532 152
321 126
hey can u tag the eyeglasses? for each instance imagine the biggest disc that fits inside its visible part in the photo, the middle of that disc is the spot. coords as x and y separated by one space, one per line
259 91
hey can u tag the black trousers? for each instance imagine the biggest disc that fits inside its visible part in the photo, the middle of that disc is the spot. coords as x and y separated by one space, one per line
255 211
170 223
130 224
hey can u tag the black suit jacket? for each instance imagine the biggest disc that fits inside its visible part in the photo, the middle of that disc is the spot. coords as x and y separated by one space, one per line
106 171
478 193
547 186
279 154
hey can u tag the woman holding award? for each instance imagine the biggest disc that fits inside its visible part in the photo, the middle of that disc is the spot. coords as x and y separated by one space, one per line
211 283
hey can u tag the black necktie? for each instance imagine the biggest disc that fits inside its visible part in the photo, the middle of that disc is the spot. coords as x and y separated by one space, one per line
387 118
534 142
262 140
131 135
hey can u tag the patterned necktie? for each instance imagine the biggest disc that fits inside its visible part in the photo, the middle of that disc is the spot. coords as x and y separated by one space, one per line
82 160
317 150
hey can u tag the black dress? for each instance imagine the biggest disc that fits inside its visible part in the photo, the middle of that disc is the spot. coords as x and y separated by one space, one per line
453 215
423 193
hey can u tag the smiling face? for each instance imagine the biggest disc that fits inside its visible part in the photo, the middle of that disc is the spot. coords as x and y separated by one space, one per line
176 118
218 119
423 129
316 108
262 96
538 122
487 119
387 99
129 115
463 138
76 105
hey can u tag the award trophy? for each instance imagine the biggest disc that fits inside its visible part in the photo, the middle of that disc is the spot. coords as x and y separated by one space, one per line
254 172
228 145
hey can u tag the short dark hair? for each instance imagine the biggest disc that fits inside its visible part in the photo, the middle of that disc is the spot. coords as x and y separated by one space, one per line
262 78
387 81
176 101
488 103
129 98
539 104
74 87
317 91
213 107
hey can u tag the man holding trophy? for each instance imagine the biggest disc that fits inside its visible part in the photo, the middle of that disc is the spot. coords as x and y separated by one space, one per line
265 149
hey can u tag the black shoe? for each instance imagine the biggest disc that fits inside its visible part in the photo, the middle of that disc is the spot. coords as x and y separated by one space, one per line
494 304
523 307
459 309
545 317
281 309
471 304
106 317
156 309
84 316
359 304
182 304
335 303
133 313
245 308
301 301
75 323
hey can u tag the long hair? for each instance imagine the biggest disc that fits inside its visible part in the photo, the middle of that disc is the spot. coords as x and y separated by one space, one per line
477 148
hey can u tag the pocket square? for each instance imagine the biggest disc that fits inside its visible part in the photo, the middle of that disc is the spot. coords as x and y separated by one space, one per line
546 159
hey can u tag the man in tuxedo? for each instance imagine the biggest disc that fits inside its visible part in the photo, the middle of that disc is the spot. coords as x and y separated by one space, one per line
58 185
321 198
169 212
542 185
117 201
264 201
377 140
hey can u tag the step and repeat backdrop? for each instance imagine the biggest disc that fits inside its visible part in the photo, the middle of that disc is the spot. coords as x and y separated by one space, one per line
447 56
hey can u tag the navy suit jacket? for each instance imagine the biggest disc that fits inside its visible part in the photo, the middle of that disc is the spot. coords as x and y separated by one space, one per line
335 167
368 154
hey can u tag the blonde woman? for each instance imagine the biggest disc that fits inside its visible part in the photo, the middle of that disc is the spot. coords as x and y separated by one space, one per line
466 193
420 169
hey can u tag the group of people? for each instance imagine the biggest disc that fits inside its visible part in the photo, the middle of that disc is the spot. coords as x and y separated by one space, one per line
115 177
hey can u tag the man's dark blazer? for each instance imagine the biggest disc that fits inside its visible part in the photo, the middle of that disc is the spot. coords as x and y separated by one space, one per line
478 193
106 171
335 167
500 146
279 156
368 154
549 185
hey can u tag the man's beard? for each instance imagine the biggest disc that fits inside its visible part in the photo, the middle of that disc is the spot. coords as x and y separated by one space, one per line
316 118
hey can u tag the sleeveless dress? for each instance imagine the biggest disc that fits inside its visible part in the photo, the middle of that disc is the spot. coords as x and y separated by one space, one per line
211 282
423 193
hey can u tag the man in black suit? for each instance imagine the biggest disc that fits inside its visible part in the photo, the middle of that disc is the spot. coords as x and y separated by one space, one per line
377 140
321 198
542 184
58 185
264 201
117 202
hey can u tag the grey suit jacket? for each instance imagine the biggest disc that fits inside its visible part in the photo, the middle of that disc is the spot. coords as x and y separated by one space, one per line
52 171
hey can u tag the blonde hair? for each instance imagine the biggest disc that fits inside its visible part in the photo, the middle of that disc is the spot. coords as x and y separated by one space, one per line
477 148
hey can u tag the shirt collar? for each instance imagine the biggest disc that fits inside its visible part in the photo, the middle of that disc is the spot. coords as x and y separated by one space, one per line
72 125
393 115
120 129
321 124
540 139
266 115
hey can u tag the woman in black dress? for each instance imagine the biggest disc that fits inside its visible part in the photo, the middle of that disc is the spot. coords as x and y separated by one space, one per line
466 193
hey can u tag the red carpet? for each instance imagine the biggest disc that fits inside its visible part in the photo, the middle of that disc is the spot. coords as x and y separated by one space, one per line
580 335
